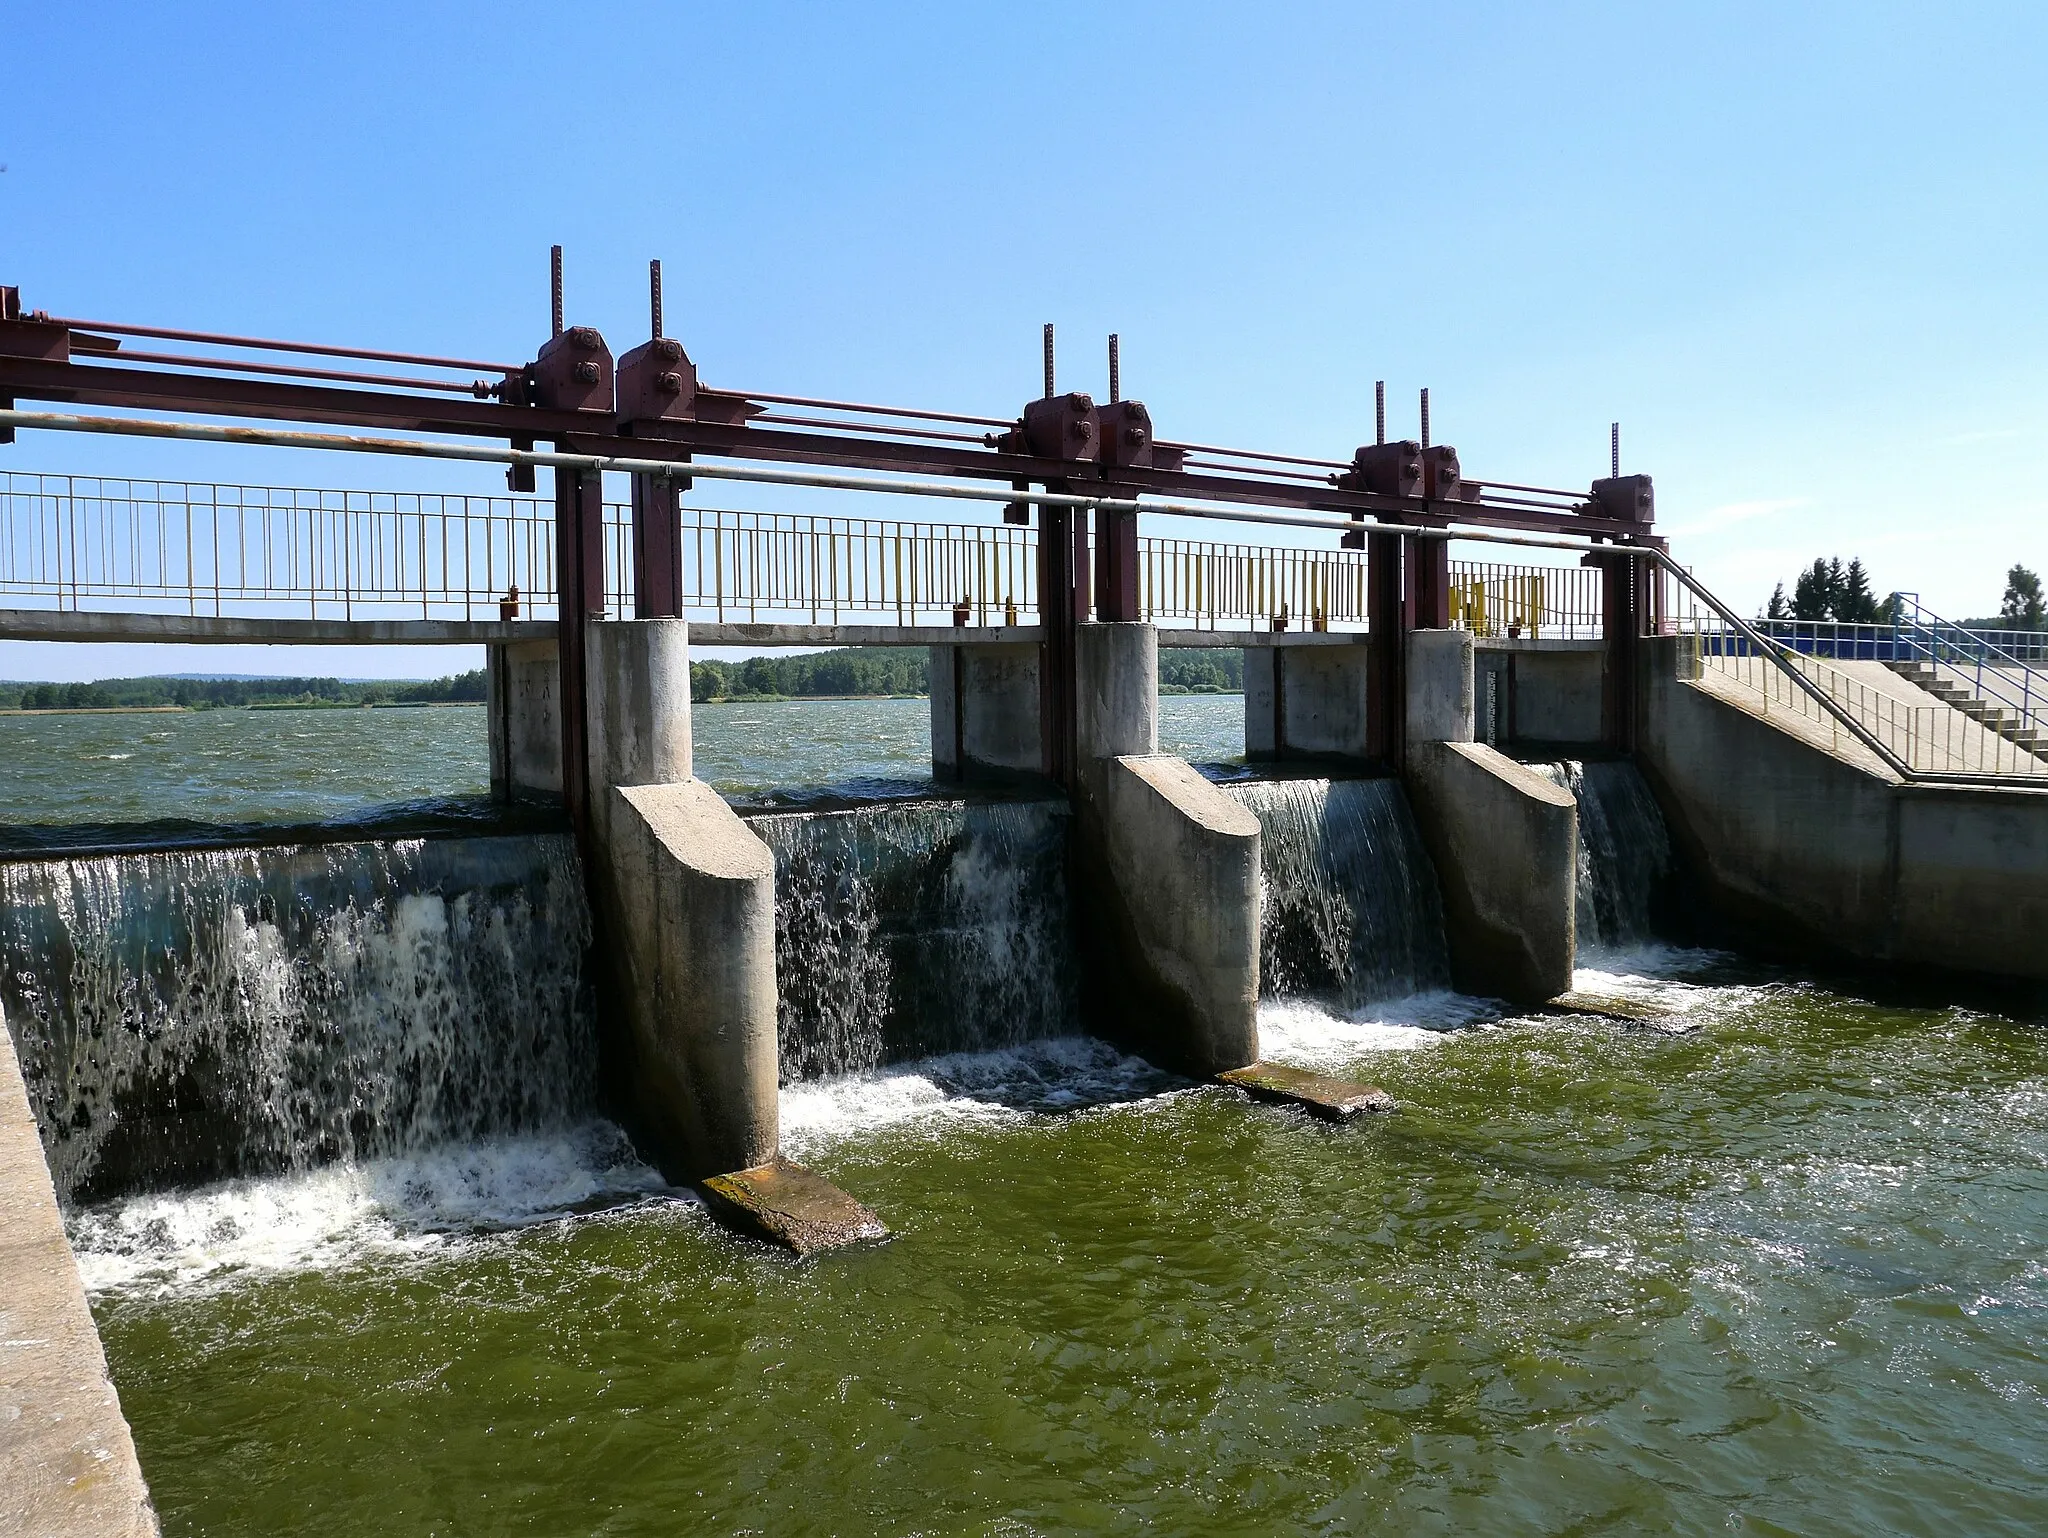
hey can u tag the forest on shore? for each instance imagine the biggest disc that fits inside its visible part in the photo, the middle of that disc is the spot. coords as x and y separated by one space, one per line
855 672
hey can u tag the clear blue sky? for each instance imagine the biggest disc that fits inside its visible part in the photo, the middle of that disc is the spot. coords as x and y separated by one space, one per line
1797 250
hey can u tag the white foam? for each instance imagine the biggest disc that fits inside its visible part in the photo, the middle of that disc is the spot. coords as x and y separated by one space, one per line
177 1241
1306 1034
1061 1074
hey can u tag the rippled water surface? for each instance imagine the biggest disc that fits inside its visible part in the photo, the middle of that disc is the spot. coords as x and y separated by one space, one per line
1774 1268
305 765
1773 1264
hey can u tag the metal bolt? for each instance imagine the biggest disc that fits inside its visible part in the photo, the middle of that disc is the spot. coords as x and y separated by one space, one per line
668 383
586 372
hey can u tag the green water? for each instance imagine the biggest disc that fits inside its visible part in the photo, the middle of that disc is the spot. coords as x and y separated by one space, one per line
1779 1269
228 766
1779 1273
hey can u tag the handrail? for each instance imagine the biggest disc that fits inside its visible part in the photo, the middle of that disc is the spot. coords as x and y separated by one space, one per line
1766 648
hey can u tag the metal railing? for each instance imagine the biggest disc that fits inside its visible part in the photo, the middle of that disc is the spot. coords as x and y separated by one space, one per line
82 543
190 547
1918 740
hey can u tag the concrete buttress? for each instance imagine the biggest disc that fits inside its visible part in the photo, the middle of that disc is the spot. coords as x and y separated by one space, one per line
1504 840
1167 873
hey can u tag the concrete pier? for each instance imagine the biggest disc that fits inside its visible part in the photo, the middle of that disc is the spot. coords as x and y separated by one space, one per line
686 913
67 1463
1166 874
1504 839
985 710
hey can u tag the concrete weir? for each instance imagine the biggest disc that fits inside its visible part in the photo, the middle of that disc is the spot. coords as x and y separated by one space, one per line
67 1463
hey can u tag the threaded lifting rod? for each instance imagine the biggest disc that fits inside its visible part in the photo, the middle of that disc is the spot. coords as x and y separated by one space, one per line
555 285
1048 360
1425 416
654 294
1379 411
1116 382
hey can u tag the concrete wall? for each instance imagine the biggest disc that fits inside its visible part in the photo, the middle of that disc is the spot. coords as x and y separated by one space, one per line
686 915
985 710
1798 844
67 1463
525 689
1305 701
1504 839
1556 695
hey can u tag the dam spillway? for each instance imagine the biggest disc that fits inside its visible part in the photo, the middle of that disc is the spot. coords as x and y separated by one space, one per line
184 1016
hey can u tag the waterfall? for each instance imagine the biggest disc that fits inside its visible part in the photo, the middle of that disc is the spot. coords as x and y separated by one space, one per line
185 1016
918 928
1624 850
1352 911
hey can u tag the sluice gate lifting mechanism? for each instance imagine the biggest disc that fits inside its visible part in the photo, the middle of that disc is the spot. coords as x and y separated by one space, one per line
651 406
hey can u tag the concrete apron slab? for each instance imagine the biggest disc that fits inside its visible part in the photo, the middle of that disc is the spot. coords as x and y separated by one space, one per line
67 1463
786 1204
1612 1006
1318 1094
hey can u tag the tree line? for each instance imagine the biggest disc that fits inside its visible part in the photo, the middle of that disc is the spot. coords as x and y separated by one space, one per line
223 693
1828 590
866 672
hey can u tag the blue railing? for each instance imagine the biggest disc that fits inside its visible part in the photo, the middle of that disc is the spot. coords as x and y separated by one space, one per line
2006 668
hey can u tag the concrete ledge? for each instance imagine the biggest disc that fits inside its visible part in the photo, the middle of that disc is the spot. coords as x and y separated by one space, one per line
67 1463
1175 922
789 1205
1505 844
69 625
1318 1094
690 910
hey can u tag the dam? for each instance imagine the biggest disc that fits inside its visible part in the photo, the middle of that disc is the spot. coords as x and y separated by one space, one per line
330 1126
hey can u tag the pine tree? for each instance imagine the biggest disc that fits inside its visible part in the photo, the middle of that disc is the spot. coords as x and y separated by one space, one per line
1777 607
1855 604
2023 608
1813 595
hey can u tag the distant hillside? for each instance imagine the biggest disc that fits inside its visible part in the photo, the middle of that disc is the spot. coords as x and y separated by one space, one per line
871 671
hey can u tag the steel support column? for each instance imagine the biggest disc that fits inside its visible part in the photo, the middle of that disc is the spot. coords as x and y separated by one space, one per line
1116 565
1621 610
1386 642
579 578
1062 606
657 547
1429 583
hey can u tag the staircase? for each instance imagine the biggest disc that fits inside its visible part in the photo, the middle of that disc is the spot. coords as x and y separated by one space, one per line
2007 723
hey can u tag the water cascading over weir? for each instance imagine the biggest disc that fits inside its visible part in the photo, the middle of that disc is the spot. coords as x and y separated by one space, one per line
1624 857
919 928
1350 909
183 1016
